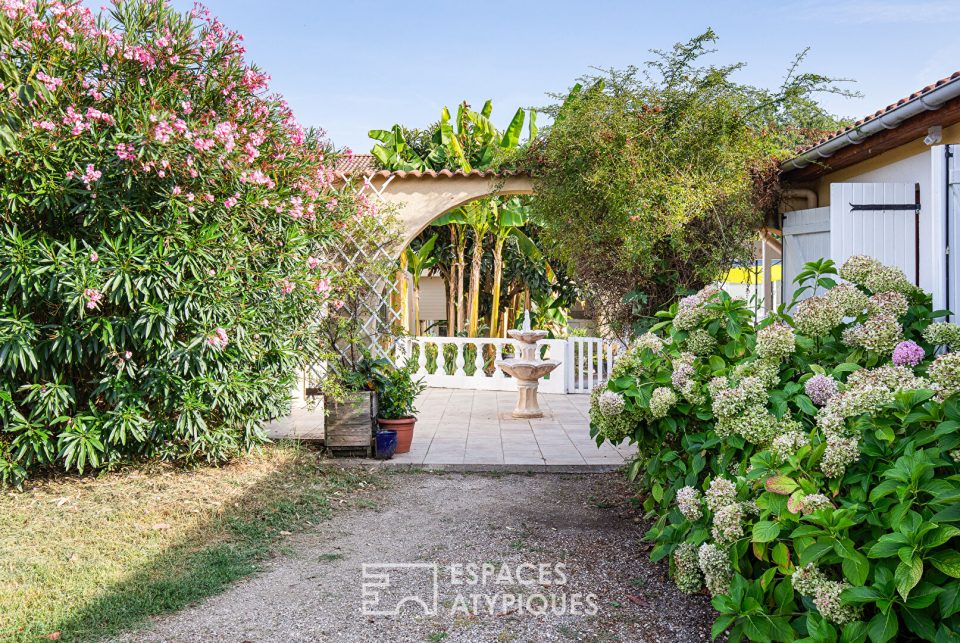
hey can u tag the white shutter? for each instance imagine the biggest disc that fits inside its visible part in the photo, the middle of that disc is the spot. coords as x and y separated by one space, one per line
883 231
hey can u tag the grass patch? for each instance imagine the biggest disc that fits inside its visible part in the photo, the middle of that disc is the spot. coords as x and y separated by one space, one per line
90 557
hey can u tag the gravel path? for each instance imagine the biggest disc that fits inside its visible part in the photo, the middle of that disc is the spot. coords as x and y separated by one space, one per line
544 541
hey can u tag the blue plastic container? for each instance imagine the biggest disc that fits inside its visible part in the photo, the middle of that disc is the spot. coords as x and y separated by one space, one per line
386 444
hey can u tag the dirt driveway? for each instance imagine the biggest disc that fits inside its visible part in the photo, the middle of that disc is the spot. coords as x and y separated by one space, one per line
542 557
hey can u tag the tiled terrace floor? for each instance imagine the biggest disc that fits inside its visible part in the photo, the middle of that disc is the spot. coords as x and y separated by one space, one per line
462 428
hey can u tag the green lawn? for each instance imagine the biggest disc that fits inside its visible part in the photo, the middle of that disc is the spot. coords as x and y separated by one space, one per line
82 558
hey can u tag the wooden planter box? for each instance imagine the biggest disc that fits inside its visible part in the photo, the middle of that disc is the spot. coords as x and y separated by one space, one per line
349 425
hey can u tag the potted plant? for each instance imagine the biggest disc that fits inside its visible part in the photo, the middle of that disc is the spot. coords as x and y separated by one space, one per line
396 411
351 395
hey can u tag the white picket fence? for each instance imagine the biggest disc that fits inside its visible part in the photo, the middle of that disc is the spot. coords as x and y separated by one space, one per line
470 363
589 362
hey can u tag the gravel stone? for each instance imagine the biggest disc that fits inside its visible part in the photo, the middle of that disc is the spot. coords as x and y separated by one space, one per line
312 592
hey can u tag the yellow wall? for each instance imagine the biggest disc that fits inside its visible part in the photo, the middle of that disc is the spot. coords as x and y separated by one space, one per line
951 135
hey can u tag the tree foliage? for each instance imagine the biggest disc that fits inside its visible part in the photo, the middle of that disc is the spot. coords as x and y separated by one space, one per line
645 181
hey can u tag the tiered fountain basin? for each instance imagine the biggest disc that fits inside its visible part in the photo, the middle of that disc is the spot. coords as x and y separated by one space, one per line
527 369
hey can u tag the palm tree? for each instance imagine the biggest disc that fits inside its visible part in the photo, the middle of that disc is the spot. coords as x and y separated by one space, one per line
477 216
418 261
507 219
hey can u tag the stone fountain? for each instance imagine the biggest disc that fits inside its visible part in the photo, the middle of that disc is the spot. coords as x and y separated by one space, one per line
527 369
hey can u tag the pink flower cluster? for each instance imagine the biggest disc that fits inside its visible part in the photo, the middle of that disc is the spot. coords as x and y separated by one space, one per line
92 175
908 353
218 339
94 297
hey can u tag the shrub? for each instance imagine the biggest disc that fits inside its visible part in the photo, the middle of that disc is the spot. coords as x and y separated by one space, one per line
804 469
162 256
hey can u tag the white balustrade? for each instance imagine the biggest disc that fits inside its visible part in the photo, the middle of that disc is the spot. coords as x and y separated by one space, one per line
478 356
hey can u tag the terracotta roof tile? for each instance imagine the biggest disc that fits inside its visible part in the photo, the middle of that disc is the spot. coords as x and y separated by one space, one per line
366 165
880 112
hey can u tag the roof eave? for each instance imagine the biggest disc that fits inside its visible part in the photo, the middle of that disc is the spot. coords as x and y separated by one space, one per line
888 119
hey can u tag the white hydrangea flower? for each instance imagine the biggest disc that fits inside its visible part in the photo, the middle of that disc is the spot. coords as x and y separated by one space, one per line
611 403
721 493
715 565
661 401
686 564
688 502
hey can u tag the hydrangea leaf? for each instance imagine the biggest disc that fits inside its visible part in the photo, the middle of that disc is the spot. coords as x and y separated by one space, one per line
782 485
765 531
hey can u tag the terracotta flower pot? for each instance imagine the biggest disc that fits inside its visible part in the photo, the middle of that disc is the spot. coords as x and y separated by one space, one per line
404 429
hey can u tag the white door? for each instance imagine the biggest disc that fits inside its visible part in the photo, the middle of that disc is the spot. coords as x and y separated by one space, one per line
880 220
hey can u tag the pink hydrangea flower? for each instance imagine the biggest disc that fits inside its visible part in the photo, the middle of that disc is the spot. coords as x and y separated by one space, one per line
820 388
908 353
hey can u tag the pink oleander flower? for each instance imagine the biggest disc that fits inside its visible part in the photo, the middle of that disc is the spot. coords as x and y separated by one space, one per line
229 202
93 297
203 144
124 152
92 175
287 286
218 339
312 262
94 257
908 353
323 285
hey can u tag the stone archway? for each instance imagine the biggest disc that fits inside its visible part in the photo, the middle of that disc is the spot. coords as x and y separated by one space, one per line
418 198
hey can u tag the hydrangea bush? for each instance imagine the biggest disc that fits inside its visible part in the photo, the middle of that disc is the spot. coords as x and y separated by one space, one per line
803 471
163 249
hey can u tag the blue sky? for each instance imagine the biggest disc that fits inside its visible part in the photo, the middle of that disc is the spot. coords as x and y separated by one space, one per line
350 66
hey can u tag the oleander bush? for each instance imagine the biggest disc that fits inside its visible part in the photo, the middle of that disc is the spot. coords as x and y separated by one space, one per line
165 227
803 470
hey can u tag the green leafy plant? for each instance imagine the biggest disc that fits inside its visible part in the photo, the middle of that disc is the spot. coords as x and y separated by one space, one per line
803 468
655 179
398 392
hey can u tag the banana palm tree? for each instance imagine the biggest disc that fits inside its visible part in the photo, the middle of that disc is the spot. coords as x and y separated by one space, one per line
418 261
508 219
477 217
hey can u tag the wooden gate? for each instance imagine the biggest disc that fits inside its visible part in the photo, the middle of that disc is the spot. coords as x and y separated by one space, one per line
806 237
589 362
